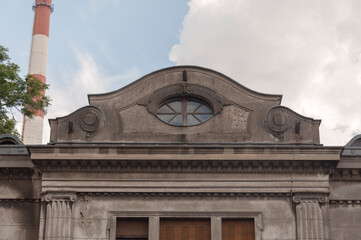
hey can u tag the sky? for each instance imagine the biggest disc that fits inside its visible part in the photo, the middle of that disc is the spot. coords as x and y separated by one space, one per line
307 50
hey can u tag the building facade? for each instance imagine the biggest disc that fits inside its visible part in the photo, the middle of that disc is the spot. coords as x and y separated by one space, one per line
182 153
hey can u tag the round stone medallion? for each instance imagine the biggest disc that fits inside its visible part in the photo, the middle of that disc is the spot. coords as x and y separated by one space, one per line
89 121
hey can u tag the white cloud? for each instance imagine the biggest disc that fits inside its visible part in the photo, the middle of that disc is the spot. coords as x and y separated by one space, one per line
309 51
76 82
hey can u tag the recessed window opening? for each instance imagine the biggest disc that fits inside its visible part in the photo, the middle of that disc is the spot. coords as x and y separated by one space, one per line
132 229
184 112
238 229
185 229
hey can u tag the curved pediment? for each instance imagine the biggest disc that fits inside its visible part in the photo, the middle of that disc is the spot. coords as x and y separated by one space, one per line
184 74
184 104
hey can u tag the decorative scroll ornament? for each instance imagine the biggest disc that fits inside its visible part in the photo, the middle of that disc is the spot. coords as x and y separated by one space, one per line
184 90
321 198
72 197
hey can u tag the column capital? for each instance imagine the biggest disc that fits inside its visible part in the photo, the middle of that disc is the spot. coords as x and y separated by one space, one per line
306 197
60 196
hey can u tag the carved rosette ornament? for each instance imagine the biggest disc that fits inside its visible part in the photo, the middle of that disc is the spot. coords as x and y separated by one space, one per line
277 121
310 223
89 120
184 90
289 126
79 125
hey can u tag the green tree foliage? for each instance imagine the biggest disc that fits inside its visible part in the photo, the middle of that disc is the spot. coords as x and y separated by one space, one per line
18 94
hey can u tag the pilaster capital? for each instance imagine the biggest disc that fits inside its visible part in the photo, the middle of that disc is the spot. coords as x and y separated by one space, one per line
60 196
310 198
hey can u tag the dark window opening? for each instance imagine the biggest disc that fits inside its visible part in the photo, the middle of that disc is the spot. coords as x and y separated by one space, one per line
132 229
185 229
238 229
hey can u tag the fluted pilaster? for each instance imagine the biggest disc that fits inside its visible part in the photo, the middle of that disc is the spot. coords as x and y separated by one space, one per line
58 221
310 224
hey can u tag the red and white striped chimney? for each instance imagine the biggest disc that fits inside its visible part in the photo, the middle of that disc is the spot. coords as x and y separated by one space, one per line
33 128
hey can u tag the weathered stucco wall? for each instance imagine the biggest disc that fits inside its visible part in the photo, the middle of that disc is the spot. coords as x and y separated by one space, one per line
93 214
345 208
19 220
19 204
345 220
20 187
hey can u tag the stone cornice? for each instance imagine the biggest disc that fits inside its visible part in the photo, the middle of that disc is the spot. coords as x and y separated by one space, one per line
16 173
207 166
345 202
185 158
185 152
19 200
14 150
346 175
177 195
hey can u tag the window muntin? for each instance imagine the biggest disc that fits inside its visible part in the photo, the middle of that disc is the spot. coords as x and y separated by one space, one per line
184 112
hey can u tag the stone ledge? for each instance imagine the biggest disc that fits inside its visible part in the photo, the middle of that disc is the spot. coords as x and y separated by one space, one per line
346 174
345 202
183 166
18 200
177 195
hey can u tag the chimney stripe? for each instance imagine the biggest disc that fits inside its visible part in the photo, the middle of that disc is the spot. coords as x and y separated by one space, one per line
41 20
40 113
39 55
33 128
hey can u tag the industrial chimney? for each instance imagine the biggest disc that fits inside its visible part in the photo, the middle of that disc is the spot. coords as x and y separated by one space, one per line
33 128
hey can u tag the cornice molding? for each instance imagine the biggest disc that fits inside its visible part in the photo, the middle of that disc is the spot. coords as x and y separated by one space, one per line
16 173
18 200
198 195
346 175
185 166
345 202
206 151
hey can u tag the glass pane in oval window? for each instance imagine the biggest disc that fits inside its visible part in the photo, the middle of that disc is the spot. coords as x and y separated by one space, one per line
192 120
191 106
165 109
177 121
184 112
176 106
203 117
203 109
166 118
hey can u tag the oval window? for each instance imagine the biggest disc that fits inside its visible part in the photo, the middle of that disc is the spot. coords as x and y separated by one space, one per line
184 112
